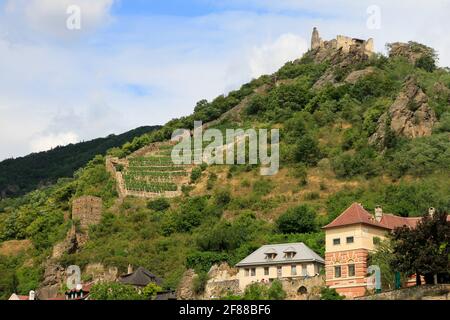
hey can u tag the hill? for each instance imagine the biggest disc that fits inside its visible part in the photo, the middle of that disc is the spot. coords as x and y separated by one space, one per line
355 126
21 175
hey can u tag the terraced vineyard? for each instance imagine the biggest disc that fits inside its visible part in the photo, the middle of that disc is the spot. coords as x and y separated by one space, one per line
154 174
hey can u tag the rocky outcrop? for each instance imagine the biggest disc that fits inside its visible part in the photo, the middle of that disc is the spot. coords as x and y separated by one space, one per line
409 116
222 281
53 281
184 290
355 76
412 51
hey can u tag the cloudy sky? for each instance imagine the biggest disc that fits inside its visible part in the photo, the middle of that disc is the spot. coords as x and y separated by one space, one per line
143 62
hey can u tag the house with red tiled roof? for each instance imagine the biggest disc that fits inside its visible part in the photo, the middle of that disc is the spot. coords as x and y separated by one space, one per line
348 240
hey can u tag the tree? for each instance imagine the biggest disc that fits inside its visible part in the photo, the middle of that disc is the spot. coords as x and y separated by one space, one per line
261 291
301 219
424 250
276 291
114 291
382 257
307 150
151 290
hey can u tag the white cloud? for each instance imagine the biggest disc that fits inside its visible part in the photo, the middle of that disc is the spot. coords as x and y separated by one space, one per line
52 83
50 141
269 57
49 17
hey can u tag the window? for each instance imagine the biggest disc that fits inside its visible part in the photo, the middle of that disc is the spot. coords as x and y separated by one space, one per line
304 270
266 271
351 270
293 270
350 239
279 271
336 241
253 272
246 272
337 272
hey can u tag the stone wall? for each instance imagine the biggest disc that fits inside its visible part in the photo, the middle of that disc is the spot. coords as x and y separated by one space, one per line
87 210
426 292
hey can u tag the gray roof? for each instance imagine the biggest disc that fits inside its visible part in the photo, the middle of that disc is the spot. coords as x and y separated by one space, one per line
302 254
141 277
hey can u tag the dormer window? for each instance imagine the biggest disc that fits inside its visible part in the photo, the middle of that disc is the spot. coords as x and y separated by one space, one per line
270 254
289 253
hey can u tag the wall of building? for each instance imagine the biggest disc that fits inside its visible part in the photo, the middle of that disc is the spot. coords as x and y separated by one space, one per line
345 254
362 235
310 269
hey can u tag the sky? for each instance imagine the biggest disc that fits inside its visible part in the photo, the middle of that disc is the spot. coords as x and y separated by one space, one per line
143 62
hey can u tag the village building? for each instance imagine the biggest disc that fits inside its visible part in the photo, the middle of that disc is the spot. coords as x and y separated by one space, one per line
139 278
279 261
348 240
80 292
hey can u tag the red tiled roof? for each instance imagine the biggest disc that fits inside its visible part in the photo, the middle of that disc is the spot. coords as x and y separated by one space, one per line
356 214
23 297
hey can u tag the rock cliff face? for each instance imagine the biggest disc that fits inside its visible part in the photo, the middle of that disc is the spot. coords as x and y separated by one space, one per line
412 51
409 116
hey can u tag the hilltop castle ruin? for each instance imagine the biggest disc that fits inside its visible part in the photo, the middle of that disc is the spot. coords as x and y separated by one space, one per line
343 43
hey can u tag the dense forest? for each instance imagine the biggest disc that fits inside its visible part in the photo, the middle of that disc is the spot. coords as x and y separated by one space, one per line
337 147
21 175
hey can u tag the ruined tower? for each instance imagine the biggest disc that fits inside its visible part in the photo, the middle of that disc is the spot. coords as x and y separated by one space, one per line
315 39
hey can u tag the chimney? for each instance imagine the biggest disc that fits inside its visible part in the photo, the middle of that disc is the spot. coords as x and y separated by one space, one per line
32 295
431 211
378 213
130 269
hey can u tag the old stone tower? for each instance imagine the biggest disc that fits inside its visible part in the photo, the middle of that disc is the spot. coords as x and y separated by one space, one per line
343 43
87 210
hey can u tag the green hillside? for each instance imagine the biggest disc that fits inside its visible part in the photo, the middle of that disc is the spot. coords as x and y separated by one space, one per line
340 142
21 175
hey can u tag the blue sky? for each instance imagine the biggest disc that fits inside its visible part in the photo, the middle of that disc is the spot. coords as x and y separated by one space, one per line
137 62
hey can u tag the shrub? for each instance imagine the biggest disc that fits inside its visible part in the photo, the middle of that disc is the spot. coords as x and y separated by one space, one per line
114 291
276 291
196 174
222 197
262 187
327 293
199 283
301 219
160 204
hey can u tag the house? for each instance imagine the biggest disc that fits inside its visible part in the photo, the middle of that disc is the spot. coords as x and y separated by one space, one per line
16 297
140 278
279 261
80 292
348 240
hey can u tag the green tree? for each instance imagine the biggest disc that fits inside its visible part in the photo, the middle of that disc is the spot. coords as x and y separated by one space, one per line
114 291
151 290
276 291
301 219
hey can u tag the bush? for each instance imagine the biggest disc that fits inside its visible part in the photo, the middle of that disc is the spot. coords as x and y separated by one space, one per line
160 204
222 197
276 291
301 219
327 293
199 283
151 290
262 187
196 174
114 291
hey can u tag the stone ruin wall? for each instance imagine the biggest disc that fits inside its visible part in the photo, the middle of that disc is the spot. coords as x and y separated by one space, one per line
88 210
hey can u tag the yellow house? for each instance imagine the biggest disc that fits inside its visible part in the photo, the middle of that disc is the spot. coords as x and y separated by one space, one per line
348 240
277 261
